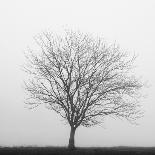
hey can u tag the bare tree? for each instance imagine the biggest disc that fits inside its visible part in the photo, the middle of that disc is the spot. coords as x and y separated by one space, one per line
82 79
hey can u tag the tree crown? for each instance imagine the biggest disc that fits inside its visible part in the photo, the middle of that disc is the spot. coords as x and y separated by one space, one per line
82 79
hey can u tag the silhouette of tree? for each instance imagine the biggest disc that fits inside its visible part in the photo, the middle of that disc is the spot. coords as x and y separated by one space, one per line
82 79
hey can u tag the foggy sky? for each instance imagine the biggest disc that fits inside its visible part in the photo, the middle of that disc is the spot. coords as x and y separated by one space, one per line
130 23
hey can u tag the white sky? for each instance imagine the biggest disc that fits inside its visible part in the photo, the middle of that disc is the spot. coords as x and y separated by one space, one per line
131 23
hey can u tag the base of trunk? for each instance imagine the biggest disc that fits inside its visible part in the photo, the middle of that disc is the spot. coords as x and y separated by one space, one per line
71 145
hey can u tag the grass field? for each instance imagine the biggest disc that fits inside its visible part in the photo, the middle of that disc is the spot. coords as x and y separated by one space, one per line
77 151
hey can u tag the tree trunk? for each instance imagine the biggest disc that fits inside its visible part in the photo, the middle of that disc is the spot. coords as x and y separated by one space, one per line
71 144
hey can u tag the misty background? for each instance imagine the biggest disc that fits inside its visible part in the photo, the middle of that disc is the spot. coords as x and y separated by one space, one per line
129 23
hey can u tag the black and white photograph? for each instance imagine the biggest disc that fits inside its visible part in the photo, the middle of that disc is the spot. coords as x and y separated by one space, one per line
77 77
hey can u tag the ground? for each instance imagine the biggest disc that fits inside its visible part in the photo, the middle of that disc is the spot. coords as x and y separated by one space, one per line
77 151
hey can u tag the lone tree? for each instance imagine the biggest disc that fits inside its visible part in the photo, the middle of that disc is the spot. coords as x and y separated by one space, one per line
81 78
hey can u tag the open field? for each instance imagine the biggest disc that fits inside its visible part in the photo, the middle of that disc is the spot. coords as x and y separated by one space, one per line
77 151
